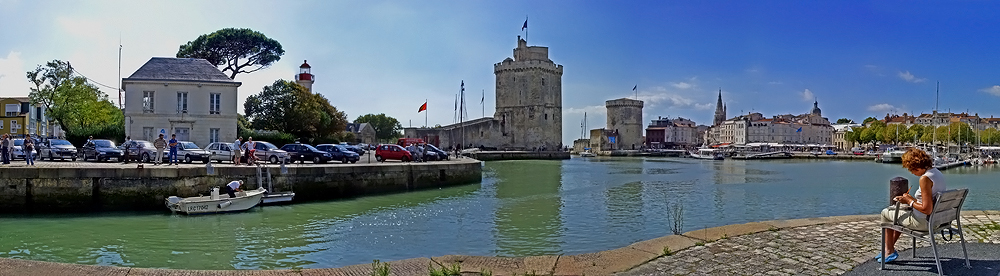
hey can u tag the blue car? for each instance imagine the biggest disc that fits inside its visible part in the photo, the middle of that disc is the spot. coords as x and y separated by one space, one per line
339 152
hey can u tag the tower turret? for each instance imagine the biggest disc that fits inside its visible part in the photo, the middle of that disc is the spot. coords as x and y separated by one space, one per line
305 76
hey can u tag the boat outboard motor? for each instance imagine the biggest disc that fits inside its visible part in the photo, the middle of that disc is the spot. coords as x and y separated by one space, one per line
215 193
173 200
225 204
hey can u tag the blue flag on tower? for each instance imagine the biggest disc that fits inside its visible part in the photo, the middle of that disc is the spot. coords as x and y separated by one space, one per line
634 87
525 24
800 129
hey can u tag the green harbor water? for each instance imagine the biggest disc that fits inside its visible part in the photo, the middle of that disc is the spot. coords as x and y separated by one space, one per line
521 208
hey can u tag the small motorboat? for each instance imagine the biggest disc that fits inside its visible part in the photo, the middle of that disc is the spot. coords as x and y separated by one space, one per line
587 154
214 203
708 154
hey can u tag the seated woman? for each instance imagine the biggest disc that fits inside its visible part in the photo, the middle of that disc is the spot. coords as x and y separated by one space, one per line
919 163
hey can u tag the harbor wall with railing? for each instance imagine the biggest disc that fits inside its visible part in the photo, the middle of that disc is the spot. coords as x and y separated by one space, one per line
65 189
518 155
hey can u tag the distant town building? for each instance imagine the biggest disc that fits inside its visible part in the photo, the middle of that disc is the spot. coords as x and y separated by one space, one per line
839 141
184 96
805 129
363 133
305 76
528 107
20 117
678 133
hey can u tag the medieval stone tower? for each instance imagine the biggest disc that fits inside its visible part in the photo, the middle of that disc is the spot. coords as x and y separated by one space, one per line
625 118
529 98
720 111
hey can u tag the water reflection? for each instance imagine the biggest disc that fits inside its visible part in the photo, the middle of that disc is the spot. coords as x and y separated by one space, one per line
527 218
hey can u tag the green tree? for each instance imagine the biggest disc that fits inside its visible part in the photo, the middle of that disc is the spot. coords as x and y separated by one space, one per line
869 119
290 108
234 50
844 121
69 100
991 136
915 132
867 135
895 133
386 128
851 136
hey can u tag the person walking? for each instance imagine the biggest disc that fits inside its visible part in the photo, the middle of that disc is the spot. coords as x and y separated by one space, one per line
173 149
249 149
237 150
160 145
29 146
127 146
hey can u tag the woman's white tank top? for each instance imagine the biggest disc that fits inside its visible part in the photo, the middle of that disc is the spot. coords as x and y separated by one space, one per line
938 186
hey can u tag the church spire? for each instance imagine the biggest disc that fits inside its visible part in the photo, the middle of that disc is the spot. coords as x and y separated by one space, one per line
720 110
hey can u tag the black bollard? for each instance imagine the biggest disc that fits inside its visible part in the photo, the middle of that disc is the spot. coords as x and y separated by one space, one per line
897 187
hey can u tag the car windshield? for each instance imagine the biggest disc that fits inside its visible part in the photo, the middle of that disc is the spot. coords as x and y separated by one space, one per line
59 142
341 148
188 145
311 148
268 146
104 143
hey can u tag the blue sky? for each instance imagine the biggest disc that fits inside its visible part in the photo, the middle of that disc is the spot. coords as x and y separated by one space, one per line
858 58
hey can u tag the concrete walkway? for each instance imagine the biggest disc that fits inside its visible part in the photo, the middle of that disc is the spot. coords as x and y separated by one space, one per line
813 246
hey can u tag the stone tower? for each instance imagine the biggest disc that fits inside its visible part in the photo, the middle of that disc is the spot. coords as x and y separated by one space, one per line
816 110
625 117
720 111
529 98
305 77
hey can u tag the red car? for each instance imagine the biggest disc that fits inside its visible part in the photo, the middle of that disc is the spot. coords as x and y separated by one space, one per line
387 151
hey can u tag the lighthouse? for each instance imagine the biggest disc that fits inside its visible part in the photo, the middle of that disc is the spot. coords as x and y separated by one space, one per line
305 77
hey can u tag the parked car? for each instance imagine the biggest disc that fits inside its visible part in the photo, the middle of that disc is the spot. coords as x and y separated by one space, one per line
222 152
56 148
441 155
395 152
19 152
339 152
190 152
356 149
831 152
101 150
302 152
268 152
141 150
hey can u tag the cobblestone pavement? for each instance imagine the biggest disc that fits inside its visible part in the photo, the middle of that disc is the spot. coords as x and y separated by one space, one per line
825 249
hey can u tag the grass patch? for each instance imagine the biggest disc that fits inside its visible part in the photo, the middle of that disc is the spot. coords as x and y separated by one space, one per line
379 268
701 243
667 252
454 270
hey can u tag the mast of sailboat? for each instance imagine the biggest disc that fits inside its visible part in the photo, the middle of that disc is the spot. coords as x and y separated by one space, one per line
937 98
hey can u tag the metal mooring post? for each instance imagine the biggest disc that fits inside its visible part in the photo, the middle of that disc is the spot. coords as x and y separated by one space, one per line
209 168
897 187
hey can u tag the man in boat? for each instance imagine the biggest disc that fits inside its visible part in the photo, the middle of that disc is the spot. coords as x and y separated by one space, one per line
233 187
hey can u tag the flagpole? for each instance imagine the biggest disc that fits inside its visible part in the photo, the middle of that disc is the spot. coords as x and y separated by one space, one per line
483 103
425 113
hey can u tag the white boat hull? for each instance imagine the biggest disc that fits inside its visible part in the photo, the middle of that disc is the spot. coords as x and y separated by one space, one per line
206 205
278 198
587 154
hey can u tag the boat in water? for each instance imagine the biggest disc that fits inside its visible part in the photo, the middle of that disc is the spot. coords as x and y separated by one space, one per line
892 156
708 154
214 203
586 153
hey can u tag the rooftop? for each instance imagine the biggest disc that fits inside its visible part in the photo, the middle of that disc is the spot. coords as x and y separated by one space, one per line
179 69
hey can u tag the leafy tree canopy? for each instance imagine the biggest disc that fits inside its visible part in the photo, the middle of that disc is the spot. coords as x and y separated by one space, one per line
69 99
234 50
844 121
386 128
869 119
290 108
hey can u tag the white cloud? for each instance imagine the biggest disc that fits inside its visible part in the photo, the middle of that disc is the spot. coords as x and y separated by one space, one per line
882 107
995 90
682 85
12 80
592 109
807 95
910 77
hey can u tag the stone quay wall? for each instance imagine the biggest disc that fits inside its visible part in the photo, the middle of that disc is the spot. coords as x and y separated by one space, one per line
60 189
518 155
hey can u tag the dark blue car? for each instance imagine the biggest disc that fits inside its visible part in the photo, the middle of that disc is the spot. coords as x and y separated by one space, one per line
339 152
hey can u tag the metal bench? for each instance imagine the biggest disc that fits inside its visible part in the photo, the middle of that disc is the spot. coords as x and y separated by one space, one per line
947 208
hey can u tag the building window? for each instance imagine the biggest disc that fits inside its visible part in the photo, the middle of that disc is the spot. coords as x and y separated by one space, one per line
213 103
213 134
147 133
11 110
182 102
543 81
147 101
1 124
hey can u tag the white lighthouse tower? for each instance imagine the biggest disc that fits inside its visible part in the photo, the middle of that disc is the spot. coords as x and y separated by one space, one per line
305 77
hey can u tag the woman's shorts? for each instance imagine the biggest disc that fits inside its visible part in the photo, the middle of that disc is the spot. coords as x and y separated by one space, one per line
906 218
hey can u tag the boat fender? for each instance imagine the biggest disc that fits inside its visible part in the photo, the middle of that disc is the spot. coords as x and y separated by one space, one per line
225 204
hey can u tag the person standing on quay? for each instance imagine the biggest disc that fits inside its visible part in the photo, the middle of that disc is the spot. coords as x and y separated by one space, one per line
5 149
127 146
160 145
237 150
173 149
29 146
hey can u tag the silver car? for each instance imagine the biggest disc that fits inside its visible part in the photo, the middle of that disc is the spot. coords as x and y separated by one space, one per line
221 151
265 151
19 152
56 148
141 150
190 152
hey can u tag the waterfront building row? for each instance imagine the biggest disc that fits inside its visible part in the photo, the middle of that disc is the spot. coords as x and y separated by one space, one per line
20 117
808 128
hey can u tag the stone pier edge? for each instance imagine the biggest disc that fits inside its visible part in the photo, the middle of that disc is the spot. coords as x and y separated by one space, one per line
597 263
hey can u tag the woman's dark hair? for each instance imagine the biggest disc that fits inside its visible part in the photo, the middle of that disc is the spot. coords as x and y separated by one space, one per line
915 158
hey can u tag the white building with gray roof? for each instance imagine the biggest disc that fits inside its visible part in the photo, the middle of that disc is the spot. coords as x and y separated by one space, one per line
184 96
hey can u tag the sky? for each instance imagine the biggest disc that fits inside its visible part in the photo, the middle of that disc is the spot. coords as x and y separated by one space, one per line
856 58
